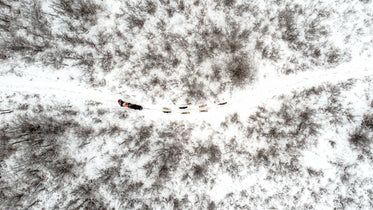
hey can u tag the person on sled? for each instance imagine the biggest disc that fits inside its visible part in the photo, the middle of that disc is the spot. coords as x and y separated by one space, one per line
129 105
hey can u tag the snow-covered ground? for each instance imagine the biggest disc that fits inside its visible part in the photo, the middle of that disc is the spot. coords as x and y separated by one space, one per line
296 131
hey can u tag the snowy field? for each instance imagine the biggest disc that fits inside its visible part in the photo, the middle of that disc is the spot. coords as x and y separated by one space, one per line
296 131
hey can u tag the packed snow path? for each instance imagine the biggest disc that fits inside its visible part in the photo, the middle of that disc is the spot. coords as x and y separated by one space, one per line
263 89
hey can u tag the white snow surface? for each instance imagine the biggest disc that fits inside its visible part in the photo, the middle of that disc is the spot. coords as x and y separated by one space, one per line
296 139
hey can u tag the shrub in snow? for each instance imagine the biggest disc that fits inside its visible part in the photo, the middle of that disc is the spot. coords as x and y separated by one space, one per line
359 138
241 70
36 145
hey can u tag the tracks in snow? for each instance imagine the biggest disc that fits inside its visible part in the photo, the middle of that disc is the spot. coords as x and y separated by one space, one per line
241 100
270 87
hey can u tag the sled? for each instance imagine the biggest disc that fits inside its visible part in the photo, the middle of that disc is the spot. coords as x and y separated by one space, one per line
129 105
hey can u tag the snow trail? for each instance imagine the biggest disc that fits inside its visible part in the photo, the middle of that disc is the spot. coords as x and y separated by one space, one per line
277 85
251 97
